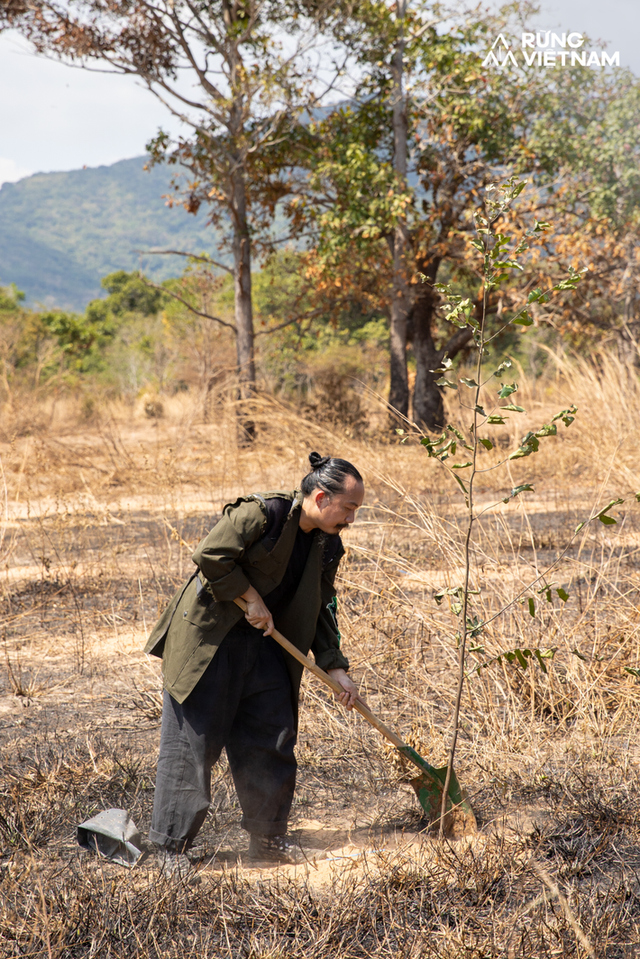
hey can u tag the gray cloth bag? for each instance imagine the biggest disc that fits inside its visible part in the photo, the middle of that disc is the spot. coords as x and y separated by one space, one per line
112 834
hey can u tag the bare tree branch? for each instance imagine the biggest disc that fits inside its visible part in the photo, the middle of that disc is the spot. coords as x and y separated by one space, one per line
191 256
192 309
457 342
294 319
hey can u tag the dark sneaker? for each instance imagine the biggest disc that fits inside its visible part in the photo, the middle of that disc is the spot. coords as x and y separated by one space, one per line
277 849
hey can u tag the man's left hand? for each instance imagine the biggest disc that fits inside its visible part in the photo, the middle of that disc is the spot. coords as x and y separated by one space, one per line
350 696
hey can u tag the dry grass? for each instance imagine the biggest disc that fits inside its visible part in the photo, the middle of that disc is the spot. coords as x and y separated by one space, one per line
91 550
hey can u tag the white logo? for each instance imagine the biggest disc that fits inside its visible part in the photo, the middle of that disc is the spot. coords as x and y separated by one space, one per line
547 49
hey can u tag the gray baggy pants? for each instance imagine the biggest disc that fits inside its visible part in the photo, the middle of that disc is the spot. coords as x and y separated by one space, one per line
242 703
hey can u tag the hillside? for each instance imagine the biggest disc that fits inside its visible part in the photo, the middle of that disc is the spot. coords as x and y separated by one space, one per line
61 232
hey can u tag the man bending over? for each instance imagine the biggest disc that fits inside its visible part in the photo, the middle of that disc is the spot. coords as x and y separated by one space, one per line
227 683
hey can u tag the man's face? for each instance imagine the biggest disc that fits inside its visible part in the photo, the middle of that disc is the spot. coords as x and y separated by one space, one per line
337 512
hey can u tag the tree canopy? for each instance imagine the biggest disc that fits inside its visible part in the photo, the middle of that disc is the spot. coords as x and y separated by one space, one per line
378 182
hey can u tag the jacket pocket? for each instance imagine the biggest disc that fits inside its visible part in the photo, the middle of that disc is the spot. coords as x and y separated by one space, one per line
204 617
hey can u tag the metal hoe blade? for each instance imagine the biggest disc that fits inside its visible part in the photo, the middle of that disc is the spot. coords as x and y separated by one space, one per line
459 820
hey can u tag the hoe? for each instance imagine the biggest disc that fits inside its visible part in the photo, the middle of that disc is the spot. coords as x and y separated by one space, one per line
459 819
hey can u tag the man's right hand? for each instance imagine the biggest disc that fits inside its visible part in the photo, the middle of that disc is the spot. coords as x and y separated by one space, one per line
257 614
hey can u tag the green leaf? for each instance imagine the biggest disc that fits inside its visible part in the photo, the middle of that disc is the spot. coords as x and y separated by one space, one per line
458 311
447 384
602 515
542 654
530 444
476 649
521 657
567 416
532 606
572 280
505 365
580 655
461 466
488 445
522 320
448 591
632 671
459 435
456 608
512 408
494 419
461 485
523 488
428 444
564 596
507 390
475 627
478 409
637 495
500 265
468 382
534 296
445 364
579 527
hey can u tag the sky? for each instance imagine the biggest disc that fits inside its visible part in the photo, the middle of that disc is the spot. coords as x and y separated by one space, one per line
55 117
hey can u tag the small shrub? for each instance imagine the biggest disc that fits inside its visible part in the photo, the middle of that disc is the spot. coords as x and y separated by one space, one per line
153 408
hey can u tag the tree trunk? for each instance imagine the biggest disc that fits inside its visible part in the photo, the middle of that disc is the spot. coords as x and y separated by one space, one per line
243 307
428 408
242 291
237 199
400 302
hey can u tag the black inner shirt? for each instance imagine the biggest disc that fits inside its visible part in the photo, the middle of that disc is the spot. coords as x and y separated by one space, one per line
279 598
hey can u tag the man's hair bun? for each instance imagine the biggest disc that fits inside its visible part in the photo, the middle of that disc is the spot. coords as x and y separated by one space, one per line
328 473
317 462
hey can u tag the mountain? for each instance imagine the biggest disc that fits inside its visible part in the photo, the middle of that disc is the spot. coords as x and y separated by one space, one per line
60 233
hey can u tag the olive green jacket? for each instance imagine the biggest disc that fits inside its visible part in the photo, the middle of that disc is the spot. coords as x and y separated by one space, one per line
231 558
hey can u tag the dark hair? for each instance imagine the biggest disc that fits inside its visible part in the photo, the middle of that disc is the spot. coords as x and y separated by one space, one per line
328 473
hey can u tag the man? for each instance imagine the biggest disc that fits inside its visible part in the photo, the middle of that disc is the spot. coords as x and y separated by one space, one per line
227 682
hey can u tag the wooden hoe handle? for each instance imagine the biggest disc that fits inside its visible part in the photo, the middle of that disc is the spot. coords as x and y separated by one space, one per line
364 711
